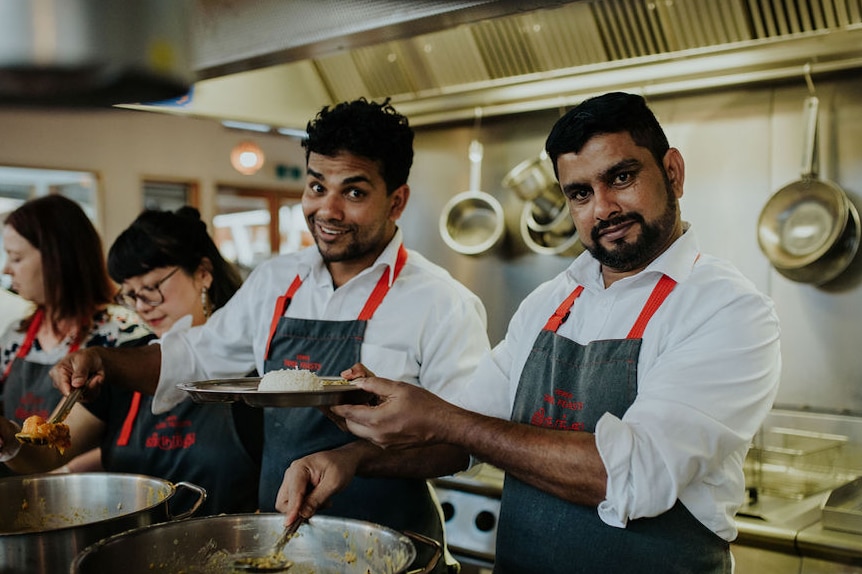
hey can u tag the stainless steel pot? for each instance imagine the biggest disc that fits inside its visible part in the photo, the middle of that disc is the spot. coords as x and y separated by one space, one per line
807 228
213 544
560 239
532 177
45 520
472 223
832 263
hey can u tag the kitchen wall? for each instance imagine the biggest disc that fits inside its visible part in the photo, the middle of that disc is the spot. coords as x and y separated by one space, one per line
740 146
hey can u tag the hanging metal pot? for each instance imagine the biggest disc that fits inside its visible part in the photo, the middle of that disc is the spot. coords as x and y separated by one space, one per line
473 222
532 177
806 228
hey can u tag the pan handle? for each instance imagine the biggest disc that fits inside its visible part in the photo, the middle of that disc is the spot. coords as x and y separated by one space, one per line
202 496
809 143
438 552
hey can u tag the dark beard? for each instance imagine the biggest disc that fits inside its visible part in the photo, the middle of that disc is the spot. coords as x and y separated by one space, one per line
653 238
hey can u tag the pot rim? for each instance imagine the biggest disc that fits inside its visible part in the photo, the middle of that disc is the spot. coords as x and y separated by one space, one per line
48 477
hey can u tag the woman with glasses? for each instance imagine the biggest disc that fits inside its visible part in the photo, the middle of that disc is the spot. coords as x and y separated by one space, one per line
171 273
55 259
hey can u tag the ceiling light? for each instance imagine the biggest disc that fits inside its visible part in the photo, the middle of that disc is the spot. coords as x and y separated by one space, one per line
246 157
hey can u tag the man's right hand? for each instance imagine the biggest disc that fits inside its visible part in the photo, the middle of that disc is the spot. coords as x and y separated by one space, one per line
82 368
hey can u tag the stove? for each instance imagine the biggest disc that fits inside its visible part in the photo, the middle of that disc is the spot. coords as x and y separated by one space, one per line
471 510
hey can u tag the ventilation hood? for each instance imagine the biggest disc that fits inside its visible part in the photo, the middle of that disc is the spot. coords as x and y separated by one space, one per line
93 52
277 63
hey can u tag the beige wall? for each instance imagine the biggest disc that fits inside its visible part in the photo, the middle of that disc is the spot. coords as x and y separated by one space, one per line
125 147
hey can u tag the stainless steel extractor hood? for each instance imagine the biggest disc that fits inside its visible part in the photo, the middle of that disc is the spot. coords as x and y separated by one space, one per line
94 52
278 62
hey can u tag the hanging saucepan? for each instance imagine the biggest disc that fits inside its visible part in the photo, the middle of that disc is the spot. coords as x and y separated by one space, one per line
531 178
564 242
807 226
472 222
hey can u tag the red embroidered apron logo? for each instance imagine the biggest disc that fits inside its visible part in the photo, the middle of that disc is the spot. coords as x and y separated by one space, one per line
174 438
302 362
30 405
561 399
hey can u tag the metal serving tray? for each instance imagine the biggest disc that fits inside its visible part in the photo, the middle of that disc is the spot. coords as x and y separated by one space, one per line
245 390
843 509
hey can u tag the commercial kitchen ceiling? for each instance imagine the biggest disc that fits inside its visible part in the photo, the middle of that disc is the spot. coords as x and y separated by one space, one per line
277 62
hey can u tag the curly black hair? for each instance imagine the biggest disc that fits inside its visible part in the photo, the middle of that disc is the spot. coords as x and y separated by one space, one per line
366 129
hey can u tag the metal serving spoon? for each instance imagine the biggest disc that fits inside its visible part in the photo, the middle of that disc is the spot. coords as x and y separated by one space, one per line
58 417
273 561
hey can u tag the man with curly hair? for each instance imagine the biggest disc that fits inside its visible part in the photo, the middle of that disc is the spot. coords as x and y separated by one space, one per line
360 296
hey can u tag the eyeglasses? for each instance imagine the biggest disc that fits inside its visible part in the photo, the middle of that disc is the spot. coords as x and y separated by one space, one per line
151 296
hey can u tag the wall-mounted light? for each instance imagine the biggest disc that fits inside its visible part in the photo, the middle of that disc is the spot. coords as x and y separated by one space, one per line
246 157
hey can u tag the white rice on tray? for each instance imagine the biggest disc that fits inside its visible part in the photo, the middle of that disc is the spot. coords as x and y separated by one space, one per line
290 380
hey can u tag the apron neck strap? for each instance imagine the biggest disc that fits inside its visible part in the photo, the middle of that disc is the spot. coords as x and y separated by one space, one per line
383 286
371 305
659 293
562 313
30 338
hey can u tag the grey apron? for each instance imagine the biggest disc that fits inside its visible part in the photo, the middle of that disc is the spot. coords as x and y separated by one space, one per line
329 347
568 386
27 388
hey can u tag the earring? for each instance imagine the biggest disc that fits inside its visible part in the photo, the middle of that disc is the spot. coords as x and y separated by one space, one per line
205 302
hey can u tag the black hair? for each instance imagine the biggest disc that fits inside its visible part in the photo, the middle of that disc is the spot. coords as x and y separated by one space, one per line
610 113
366 129
164 239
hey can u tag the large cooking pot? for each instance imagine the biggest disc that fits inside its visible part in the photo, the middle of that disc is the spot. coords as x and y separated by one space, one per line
808 229
213 544
45 520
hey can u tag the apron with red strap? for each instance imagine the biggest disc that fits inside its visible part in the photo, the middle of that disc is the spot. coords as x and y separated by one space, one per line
568 386
329 347
27 388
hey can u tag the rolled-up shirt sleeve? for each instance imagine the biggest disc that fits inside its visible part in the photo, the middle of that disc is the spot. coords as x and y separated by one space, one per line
705 383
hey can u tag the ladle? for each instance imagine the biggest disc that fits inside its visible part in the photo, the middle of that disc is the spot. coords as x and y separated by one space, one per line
274 560
58 417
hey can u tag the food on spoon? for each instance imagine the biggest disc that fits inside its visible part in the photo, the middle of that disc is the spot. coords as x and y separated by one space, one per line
36 429
295 380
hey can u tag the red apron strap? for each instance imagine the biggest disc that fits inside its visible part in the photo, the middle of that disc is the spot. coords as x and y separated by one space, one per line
280 307
382 287
27 343
562 313
659 293
30 338
129 423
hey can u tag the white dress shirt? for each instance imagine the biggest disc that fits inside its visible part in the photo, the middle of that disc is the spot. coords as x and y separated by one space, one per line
707 376
429 330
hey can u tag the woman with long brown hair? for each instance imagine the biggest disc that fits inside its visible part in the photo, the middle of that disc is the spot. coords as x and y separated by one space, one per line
55 258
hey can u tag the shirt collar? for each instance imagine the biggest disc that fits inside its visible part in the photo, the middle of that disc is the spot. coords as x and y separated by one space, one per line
676 262
311 264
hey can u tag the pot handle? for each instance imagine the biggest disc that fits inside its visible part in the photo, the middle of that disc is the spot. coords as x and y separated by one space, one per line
202 496
809 145
438 552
